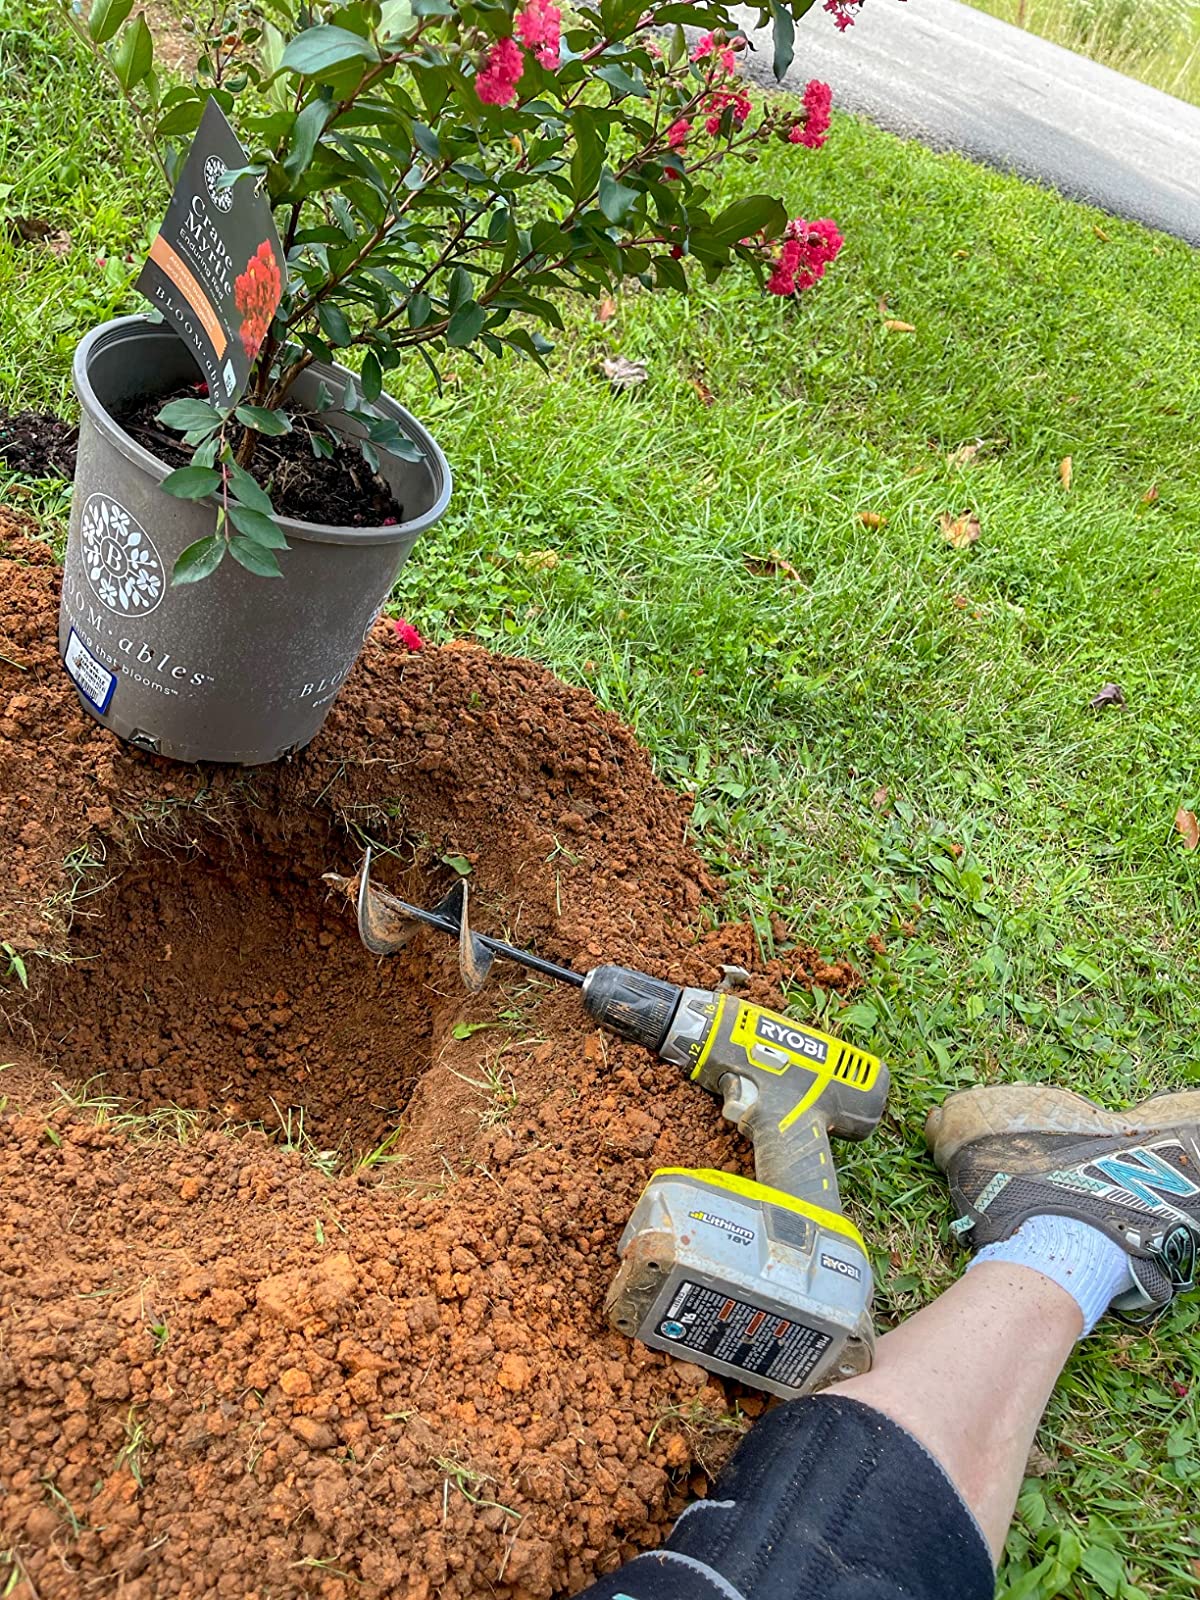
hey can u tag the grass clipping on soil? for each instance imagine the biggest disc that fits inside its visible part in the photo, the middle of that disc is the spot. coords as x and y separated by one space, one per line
224 1371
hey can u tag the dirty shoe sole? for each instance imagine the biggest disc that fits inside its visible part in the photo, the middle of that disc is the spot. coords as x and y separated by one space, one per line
1029 1108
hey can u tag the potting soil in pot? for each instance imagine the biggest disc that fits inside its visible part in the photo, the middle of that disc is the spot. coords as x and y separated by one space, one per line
223 1371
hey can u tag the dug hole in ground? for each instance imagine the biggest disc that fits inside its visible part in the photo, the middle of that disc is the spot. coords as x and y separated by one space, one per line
229 1366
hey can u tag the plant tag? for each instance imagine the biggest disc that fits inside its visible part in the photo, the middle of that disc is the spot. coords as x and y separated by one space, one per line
93 680
216 269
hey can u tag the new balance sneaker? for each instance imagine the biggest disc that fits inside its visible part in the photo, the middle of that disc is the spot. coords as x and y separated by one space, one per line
1022 1150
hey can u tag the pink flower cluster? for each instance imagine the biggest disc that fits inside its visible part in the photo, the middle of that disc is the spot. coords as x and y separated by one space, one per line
540 28
496 82
722 53
722 99
842 12
814 130
807 249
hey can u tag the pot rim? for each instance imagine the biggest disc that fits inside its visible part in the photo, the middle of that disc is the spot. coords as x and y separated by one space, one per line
313 532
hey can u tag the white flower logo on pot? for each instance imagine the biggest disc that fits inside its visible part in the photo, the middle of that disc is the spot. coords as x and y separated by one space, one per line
553 159
122 565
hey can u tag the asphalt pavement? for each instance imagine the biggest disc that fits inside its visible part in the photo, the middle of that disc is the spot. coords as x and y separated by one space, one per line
957 79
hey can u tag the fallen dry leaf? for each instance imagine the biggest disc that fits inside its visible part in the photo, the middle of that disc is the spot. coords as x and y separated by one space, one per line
882 305
772 565
960 602
29 230
894 326
962 255
1099 232
1151 495
1188 828
1064 472
623 374
606 310
1111 694
872 519
964 453
703 393
960 531
880 798
539 560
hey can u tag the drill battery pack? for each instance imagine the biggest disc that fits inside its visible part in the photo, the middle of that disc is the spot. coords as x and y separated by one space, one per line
744 1280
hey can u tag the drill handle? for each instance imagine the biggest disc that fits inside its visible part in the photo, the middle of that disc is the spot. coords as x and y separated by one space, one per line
795 1158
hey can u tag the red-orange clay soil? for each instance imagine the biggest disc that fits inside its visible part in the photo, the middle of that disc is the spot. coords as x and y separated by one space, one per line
357 1350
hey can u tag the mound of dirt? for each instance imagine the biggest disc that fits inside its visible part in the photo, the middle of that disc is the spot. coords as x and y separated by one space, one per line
358 1351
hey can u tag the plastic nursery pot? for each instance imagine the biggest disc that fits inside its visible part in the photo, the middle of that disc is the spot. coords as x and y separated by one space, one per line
234 668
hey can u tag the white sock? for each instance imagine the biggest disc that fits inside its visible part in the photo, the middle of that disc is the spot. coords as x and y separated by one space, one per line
1090 1266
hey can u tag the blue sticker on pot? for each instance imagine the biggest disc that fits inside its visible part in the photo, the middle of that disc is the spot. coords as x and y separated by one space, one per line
91 677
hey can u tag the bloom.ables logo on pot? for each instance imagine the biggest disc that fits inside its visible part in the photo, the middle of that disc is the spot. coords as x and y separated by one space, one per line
123 568
214 170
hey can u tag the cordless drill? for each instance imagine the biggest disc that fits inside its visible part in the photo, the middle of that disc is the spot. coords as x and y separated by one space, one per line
761 1280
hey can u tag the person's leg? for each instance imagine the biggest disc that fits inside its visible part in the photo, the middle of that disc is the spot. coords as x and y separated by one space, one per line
901 1482
969 1376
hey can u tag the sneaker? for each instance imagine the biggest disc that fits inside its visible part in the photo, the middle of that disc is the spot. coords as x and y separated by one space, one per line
1022 1150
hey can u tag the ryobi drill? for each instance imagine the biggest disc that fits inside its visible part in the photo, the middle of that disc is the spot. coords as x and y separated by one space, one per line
763 1280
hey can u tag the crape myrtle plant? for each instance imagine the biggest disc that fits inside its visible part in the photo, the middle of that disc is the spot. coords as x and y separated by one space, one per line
439 171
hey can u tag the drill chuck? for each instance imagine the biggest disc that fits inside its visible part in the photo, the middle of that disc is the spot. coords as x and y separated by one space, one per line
632 1003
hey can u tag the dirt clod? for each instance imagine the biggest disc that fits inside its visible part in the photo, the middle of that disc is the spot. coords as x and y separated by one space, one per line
301 1280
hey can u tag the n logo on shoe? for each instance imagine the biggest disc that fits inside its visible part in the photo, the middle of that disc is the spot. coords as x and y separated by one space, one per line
1145 1175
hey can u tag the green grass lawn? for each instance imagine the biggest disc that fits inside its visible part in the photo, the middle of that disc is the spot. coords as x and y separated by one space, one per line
1157 41
887 736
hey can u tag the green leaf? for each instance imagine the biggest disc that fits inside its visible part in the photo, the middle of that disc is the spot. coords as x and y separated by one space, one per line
321 49
257 527
462 288
310 124
419 308
199 560
784 34
134 55
333 325
1106 1567
617 78
249 492
182 118
458 864
670 274
189 415
395 18
105 17
745 217
616 199
466 325
254 557
426 141
272 423
372 377
191 483
588 155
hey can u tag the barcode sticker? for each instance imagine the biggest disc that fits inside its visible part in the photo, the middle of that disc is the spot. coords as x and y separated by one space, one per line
91 677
